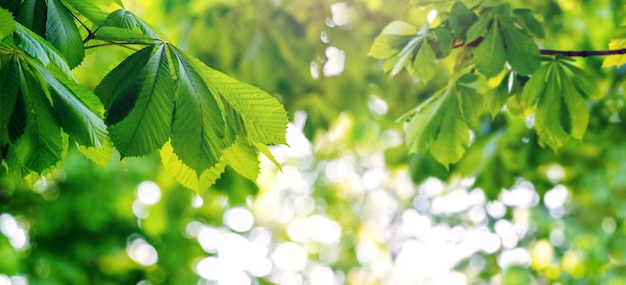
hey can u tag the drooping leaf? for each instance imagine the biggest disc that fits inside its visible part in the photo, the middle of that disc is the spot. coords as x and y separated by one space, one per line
495 98
198 129
76 109
440 40
423 127
89 10
453 137
63 33
32 14
185 175
534 88
490 55
121 79
393 37
561 109
424 63
147 126
478 29
100 155
7 26
39 48
264 118
41 145
8 95
461 19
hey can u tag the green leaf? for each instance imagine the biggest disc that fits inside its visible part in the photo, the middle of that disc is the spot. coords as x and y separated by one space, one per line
490 56
122 80
399 28
32 14
577 108
100 155
385 46
147 126
478 29
471 102
121 34
461 18
198 129
146 29
548 114
423 127
453 137
495 98
521 51
63 33
7 26
618 41
41 145
185 175
89 10
266 151
8 95
265 119
39 48
77 109
424 63
122 18
440 41
243 158
526 19
534 88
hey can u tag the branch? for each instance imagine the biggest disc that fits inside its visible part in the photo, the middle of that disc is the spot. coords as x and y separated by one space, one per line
582 53
126 45
569 53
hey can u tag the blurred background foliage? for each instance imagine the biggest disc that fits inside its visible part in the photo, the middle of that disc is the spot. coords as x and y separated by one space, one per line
350 205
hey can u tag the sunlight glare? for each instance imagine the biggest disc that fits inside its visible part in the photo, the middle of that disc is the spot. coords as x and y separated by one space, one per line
148 193
142 252
239 219
290 256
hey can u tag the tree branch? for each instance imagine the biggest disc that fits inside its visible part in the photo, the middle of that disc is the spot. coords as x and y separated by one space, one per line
569 53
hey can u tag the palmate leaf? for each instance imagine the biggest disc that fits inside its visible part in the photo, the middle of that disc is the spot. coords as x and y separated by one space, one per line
490 56
521 51
198 130
561 111
147 126
63 33
41 145
7 26
89 10
440 124
424 63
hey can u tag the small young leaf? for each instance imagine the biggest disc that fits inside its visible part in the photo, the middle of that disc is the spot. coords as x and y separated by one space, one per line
147 126
521 51
63 33
121 18
7 26
461 18
424 63
490 55
526 19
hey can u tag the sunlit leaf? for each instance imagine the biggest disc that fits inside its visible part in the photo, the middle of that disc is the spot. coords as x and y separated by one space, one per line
521 51
424 63
7 26
461 19
198 129
243 158
490 55
185 175
39 48
89 10
122 18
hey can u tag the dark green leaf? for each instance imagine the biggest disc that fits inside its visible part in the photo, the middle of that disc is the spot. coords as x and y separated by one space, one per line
41 145
121 34
440 41
63 33
147 126
39 48
76 108
32 14
9 76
